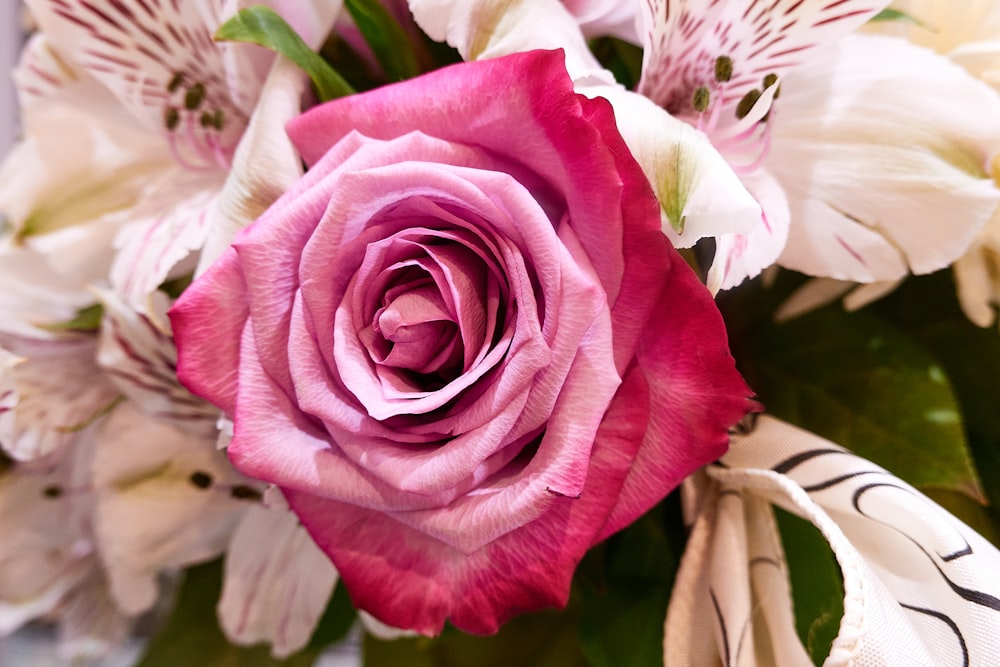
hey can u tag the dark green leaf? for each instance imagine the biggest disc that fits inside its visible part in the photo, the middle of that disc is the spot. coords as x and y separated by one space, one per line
863 383
621 620
817 584
624 60
86 319
542 639
927 309
335 622
387 39
263 26
176 286
192 635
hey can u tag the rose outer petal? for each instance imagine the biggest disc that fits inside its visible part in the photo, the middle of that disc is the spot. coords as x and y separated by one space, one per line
411 580
211 334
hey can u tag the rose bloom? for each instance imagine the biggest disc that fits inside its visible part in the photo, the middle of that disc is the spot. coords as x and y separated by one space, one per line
461 344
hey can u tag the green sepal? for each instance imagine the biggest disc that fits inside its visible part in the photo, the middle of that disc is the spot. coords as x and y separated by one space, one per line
263 26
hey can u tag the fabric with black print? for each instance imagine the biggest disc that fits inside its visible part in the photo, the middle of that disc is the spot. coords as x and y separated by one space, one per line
920 586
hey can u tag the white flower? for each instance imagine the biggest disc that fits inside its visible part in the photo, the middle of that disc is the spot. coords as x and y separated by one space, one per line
882 150
163 500
277 582
968 33
158 73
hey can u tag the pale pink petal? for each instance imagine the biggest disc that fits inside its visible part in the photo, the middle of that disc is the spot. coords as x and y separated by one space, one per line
606 17
277 582
739 256
141 361
55 392
44 553
90 624
814 293
168 227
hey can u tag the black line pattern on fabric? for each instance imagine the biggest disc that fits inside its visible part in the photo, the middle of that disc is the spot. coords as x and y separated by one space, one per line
802 457
964 551
971 595
833 481
944 618
722 626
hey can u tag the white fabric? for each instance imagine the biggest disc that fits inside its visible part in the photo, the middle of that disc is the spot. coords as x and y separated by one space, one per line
920 587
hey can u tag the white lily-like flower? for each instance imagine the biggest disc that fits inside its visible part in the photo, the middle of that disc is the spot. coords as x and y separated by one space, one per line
967 32
163 500
718 66
883 177
194 99
277 582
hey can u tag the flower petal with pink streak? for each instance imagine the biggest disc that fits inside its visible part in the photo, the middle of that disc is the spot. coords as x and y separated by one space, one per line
683 38
742 256
872 166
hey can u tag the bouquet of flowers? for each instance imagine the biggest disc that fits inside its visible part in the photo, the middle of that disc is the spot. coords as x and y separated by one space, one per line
477 332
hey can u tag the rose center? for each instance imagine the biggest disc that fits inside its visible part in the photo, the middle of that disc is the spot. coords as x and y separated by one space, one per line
417 333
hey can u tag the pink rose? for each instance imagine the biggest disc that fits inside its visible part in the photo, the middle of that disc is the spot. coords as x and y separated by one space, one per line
461 344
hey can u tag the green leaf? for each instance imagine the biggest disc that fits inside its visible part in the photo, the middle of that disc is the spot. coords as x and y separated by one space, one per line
622 615
622 59
863 383
926 308
335 622
895 15
176 286
817 584
387 39
86 319
543 639
263 26
192 635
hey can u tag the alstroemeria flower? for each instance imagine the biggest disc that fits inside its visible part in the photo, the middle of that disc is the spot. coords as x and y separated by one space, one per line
159 73
461 345
162 500
883 149
967 32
